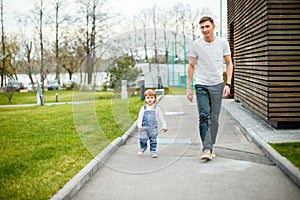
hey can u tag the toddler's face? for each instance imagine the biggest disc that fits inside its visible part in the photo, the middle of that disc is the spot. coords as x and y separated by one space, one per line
150 99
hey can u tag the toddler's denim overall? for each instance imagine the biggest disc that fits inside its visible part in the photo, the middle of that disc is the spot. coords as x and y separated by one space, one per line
150 130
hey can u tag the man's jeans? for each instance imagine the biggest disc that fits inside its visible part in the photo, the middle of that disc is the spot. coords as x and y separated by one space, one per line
209 99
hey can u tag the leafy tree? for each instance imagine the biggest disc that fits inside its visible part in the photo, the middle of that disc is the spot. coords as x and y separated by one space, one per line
97 22
8 65
71 54
59 6
124 69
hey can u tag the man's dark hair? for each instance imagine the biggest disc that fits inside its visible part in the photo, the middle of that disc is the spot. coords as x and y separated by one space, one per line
206 18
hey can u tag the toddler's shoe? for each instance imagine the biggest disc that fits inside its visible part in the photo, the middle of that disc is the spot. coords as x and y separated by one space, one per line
141 152
154 155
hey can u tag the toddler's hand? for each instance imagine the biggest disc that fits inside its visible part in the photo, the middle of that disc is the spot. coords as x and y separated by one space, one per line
140 129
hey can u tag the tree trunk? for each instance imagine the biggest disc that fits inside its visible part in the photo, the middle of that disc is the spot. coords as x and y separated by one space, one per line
56 45
42 73
29 48
3 74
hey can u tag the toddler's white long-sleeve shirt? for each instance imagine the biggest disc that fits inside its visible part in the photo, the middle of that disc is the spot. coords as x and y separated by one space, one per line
158 114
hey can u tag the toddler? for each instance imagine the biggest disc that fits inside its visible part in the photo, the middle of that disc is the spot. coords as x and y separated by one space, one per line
148 117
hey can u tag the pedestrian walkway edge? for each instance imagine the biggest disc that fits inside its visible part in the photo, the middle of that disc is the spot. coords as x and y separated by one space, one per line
236 110
84 175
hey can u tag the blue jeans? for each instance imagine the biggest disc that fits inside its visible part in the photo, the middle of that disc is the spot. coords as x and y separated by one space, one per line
209 100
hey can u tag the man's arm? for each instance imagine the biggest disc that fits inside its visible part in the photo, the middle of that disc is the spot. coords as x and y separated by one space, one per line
190 74
229 72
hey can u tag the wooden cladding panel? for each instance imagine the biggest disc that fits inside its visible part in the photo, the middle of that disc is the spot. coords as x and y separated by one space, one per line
284 56
264 37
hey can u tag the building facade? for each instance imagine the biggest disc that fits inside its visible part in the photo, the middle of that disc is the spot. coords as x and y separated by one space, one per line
264 37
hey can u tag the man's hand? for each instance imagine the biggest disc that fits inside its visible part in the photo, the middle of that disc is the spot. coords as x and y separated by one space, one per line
226 91
189 95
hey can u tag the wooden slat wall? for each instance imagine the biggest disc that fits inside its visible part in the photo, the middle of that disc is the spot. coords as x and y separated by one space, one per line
264 37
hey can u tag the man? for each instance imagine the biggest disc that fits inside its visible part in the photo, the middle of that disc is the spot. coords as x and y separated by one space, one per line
206 62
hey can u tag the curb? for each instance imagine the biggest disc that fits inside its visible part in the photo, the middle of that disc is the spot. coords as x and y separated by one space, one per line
84 175
285 165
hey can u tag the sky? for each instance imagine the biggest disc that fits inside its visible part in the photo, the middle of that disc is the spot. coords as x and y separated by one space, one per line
127 8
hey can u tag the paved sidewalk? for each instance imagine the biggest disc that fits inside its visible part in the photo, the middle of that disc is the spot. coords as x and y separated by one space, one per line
241 169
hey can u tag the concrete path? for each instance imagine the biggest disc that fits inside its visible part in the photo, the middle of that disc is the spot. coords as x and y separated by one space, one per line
241 170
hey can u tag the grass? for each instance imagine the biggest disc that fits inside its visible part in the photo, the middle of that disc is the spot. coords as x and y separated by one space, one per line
50 97
64 96
43 147
289 150
176 91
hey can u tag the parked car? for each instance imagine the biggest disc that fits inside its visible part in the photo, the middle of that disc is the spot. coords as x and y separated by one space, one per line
14 86
30 87
69 85
52 85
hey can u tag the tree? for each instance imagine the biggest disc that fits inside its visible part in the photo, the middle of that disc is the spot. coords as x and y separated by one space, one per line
28 48
155 20
165 18
71 54
3 74
124 69
38 19
8 51
9 62
58 5
134 24
41 8
194 21
143 17
176 13
97 22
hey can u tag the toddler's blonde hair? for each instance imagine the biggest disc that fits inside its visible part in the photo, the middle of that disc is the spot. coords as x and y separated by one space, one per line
150 93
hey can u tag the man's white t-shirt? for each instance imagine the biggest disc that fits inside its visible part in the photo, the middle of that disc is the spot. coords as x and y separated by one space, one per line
209 63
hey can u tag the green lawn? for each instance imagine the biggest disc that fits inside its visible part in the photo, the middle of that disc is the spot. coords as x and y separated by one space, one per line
289 150
64 96
43 147
50 97
176 91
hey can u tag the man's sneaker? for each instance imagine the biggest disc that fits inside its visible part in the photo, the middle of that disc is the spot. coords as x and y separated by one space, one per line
206 155
154 155
213 154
